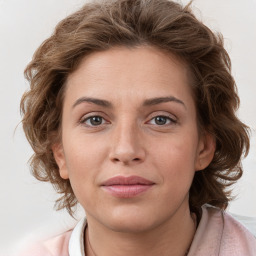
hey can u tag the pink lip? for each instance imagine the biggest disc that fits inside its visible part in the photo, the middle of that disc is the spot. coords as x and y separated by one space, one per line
126 187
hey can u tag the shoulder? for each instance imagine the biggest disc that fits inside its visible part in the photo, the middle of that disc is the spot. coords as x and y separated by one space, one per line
69 243
55 246
236 237
219 233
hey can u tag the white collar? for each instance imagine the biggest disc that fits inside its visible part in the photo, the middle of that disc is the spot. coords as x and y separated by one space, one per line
76 242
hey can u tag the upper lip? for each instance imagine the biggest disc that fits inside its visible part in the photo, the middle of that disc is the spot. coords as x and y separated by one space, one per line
130 180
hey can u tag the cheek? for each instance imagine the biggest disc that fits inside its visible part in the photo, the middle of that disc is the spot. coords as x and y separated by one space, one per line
175 160
82 160
176 150
83 156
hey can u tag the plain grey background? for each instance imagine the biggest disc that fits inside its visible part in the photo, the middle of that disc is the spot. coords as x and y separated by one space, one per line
26 209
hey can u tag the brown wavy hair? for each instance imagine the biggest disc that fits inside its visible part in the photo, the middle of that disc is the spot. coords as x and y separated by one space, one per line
101 25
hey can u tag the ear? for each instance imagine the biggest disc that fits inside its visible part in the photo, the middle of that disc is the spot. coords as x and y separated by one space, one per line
60 159
206 150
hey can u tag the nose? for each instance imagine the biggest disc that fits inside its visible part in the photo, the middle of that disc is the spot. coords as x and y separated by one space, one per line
126 145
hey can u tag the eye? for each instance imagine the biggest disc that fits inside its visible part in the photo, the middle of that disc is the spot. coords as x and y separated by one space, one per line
93 121
162 120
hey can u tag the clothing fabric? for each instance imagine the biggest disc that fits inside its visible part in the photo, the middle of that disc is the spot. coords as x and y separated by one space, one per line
218 234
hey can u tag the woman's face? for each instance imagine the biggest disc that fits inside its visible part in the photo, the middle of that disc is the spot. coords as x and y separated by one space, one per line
130 143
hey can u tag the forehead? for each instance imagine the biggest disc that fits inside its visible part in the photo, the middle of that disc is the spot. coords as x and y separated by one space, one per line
121 70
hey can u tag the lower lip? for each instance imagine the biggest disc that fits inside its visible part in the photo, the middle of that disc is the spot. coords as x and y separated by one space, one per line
126 191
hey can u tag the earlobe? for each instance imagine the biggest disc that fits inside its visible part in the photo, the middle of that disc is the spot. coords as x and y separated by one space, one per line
59 156
206 150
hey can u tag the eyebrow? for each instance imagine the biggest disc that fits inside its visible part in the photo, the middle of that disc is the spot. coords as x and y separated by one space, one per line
148 102
159 100
99 102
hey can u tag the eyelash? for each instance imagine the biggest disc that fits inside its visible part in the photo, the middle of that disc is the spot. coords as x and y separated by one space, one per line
90 118
168 121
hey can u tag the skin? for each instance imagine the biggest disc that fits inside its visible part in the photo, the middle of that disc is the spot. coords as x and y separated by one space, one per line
128 139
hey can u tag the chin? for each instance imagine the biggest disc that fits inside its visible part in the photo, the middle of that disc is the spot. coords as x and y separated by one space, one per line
131 227
131 221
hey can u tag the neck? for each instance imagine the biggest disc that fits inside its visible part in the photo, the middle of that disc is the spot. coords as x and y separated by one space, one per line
171 238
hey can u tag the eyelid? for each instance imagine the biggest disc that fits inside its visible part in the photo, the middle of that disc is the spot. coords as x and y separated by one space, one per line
172 118
87 116
164 114
167 117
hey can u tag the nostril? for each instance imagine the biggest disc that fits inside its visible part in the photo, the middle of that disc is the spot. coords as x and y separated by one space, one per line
126 161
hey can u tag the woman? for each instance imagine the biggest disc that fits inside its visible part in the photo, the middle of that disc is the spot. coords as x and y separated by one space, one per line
131 113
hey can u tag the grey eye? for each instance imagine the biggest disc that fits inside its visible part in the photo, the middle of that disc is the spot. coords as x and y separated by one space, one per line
161 120
94 120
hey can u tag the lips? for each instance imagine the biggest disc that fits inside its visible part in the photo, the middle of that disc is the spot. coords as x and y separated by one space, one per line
126 187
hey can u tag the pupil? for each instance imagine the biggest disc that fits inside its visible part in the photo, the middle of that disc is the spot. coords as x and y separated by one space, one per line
160 120
96 120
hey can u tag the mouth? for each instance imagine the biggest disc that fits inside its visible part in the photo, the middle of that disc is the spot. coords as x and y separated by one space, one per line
127 187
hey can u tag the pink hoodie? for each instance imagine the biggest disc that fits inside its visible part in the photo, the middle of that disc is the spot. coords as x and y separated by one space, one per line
218 234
